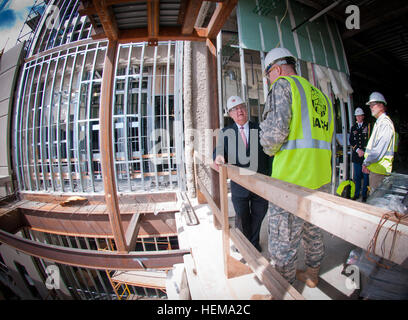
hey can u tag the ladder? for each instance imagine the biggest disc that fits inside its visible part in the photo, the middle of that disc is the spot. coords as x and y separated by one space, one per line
121 289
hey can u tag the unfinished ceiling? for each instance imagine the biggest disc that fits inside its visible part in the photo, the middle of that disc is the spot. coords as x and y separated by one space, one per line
155 20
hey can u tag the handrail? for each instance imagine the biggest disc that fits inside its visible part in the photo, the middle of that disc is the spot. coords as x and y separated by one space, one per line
266 273
350 220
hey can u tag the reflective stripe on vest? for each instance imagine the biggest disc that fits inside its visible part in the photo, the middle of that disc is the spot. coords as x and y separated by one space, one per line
307 141
384 165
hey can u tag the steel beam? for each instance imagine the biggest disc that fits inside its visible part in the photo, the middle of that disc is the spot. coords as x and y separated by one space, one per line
106 148
94 259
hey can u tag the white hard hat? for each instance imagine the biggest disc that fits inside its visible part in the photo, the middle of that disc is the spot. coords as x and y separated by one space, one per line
277 54
359 112
234 101
376 97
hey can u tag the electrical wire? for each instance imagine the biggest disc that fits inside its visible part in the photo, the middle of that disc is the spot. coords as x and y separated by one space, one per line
284 16
373 243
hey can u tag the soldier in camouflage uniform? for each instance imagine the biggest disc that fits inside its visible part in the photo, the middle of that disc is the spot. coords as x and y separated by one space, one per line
285 230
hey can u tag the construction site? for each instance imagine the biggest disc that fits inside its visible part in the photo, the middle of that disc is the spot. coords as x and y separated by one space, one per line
111 111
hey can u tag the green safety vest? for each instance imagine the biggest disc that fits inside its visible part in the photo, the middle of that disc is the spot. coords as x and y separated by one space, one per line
345 187
305 159
396 141
384 165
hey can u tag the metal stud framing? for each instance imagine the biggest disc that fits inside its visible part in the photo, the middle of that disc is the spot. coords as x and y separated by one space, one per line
136 169
75 278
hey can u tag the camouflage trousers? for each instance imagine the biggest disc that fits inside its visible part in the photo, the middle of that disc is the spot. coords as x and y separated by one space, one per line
285 232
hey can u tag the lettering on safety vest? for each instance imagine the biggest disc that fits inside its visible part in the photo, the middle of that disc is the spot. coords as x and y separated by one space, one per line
320 124
320 107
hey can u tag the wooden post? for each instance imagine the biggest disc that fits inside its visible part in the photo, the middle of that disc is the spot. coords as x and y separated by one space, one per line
107 159
232 267
224 213
214 118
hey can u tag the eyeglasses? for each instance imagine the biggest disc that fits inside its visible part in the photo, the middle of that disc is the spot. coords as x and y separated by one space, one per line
239 107
268 70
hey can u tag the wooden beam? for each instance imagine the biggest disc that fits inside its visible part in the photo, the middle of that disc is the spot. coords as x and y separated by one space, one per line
190 16
219 17
271 279
212 84
95 259
153 20
107 159
166 33
107 19
347 219
113 2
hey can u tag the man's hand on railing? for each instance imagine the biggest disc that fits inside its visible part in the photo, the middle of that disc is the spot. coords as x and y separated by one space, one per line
219 160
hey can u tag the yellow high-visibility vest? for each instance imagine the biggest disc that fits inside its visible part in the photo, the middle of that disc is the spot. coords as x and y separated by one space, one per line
384 165
305 159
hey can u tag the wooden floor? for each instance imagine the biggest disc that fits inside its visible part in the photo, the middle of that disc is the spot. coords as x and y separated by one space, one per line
91 219
93 207
150 279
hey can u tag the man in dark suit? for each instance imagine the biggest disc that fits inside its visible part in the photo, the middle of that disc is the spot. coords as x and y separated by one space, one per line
359 134
238 144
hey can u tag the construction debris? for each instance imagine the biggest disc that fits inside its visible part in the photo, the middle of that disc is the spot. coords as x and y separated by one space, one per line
74 201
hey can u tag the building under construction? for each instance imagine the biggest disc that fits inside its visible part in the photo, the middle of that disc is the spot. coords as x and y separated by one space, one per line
110 111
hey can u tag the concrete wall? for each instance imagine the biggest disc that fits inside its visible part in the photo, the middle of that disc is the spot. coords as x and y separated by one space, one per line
197 111
10 63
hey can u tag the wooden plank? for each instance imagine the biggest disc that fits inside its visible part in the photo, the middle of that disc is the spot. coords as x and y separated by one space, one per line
147 279
190 17
166 34
225 223
349 220
99 209
107 19
221 14
273 281
127 208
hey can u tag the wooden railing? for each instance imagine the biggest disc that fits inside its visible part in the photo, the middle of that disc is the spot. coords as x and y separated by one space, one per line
266 273
352 221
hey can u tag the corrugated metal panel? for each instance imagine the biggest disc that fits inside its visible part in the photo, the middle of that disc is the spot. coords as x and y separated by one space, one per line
169 12
130 15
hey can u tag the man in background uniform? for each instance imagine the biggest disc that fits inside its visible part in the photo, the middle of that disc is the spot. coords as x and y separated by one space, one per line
297 129
379 153
359 134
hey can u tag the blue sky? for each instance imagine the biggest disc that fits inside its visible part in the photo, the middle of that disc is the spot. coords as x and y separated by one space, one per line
13 13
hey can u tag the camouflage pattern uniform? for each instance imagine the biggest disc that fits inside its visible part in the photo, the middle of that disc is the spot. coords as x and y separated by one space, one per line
285 230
